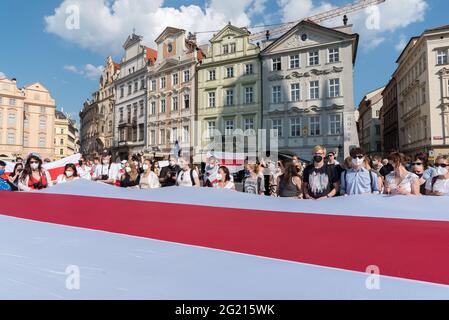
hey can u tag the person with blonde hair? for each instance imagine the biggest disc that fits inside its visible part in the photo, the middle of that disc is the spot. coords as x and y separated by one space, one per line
439 184
320 181
254 182
187 177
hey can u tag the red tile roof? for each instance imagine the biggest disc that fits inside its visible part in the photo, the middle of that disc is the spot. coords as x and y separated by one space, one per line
117 66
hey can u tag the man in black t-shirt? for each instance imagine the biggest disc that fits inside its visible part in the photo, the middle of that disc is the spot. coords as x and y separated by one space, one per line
320 181
168 174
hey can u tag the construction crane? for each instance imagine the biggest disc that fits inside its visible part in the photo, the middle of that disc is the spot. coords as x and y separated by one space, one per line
318 18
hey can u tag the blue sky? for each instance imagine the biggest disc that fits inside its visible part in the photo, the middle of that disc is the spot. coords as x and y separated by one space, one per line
34 49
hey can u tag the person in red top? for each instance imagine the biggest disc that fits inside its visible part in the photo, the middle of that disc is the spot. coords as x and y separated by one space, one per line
34 176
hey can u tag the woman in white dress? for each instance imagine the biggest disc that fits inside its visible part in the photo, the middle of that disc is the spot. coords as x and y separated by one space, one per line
401 181
223 179
149 179
70 174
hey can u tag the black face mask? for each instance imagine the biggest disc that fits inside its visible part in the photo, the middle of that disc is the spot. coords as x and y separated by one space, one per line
317 159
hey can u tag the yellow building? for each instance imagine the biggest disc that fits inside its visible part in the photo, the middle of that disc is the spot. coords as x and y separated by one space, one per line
65 136
26 120
229 92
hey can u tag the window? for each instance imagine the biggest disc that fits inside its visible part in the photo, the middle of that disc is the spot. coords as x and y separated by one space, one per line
442 57
129 89
334 55
295 92
248 124
229 97
42 109
122 91
153 85
153 107
142 84
294 61
314 126
174 79
163 83
211 99
12 118
152 137
377 129
185 134
42 142
210 129
424 96
129 113
162 136
276 126
141 107
276 94
136 86
249 95
26 141
11 138
61 152
334 88
229 127
61 142
229 72
225 49
42 123
186 101
135 111
212 74
12 102
163 105
121 114
295 127
277 65
174 134
232 47
314 92
249 69
335 124
186 75
314 58
175 103
110 126
26 122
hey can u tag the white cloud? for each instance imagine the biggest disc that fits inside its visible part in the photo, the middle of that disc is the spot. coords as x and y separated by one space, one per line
393 15
89 71
105 24
2 75
402 43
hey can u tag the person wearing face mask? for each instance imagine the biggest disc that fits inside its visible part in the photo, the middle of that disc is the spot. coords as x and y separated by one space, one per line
223 179
401 181
148 179
83 170
70 174
320 181
131 177
439 184
34 177
4 185
106 172
187 177
168 174
210 173
358 179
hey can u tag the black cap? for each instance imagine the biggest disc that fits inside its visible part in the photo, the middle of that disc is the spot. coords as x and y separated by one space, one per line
2 163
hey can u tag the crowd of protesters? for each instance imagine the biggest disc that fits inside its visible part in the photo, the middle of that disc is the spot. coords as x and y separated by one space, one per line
289 177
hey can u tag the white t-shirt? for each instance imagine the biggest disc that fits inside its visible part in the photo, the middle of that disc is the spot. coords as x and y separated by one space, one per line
63 179
441 185
184 179
229 185
112 171
405 184
84 173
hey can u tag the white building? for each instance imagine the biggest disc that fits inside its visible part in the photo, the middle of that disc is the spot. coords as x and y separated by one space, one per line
369 128
423 93
130 107
307 77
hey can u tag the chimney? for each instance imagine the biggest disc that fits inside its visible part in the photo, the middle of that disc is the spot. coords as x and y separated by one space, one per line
345 20
267 35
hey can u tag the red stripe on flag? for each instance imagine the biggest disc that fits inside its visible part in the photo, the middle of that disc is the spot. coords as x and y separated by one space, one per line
412 249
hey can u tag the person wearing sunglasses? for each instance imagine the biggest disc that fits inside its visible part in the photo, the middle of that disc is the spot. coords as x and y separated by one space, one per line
401 181
320 181
187 177
358 179
34 176
439 185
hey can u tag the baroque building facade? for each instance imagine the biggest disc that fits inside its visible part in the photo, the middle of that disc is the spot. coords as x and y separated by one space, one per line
307 77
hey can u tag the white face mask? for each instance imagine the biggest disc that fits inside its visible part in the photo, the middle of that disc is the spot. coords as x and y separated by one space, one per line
69 174
219 177
34 166
128 169
441 171
357 161
145 167
105 161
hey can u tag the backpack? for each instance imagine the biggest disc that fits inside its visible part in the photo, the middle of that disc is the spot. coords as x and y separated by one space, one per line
370 178
191 177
